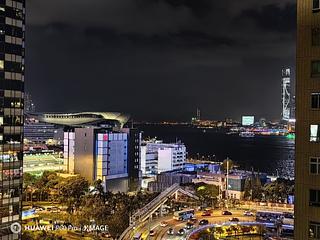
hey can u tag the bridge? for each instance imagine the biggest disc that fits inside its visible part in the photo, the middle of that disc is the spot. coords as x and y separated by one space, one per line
139 217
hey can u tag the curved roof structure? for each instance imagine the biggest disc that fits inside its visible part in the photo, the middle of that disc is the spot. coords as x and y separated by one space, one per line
82 118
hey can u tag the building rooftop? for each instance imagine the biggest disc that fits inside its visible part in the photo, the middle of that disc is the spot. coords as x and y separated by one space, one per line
81 118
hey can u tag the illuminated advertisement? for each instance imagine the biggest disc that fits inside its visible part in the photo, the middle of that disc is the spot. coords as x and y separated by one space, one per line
247 120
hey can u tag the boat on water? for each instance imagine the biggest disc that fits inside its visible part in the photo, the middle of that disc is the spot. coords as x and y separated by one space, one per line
247 134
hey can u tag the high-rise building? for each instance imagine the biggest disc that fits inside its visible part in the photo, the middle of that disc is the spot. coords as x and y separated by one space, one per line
29 106
286 94
12 29
307 166
99 153
198 114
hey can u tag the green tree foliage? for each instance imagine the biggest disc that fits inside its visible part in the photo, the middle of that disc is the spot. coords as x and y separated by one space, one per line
225 164
207 192
43 235
248 189
278 190
253 188
71 190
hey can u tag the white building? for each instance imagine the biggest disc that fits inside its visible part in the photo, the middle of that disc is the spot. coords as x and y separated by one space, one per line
157 157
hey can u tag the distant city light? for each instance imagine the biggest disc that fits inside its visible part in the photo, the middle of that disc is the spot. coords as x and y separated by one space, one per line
247 120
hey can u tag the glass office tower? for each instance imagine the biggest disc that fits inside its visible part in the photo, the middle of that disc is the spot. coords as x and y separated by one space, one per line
12 27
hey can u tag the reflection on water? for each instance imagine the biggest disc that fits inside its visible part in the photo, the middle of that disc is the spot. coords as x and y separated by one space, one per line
271 154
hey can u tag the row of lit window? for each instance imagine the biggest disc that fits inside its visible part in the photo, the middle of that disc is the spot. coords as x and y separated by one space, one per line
14 4
14 22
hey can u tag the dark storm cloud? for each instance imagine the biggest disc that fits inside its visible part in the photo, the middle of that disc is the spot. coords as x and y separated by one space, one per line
159 59
273 18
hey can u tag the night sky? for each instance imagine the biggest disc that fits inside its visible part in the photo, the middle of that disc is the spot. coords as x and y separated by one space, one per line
159 59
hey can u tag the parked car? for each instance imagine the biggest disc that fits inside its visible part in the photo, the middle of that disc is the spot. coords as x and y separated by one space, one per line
226 213
55 210
206 214
234 219
248 213
204 222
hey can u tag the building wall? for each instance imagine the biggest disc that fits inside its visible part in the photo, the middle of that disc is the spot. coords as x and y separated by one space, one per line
98 153
12 14
111 155
166 180
160 157
305 85
37 132
134 165
84 163
165 159
68 154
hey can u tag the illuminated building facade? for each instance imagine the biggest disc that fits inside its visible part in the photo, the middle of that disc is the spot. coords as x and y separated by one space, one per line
29 106
286 94
98 153
307 166
157 157
11 115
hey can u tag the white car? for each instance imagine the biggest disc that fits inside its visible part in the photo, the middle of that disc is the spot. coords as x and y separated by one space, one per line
247 213
163 224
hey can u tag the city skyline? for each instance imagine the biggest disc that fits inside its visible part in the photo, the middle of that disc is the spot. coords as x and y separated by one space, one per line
196 56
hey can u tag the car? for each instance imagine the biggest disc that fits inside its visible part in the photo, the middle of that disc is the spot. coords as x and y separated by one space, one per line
209 210
170 231
152 233
181 232
163 224
226 213
206 214
55 210
248 213
189 226
234 219
192 220
204 222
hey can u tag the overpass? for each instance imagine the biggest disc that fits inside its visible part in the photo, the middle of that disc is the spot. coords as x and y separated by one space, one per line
146 212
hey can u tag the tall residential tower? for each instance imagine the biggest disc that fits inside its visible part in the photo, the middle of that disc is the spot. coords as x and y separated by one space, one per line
307 175
12 27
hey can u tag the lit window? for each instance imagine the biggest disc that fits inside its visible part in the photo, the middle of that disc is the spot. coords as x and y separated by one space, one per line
314 198
315 68
316 5
314 230
314 165
314 133
315 37
1 64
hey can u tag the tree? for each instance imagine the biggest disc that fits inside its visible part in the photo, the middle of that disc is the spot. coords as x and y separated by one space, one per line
44 235
227 164
29 187
46 183
257 188
207 192
278 190
118 222
248 189
71 190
